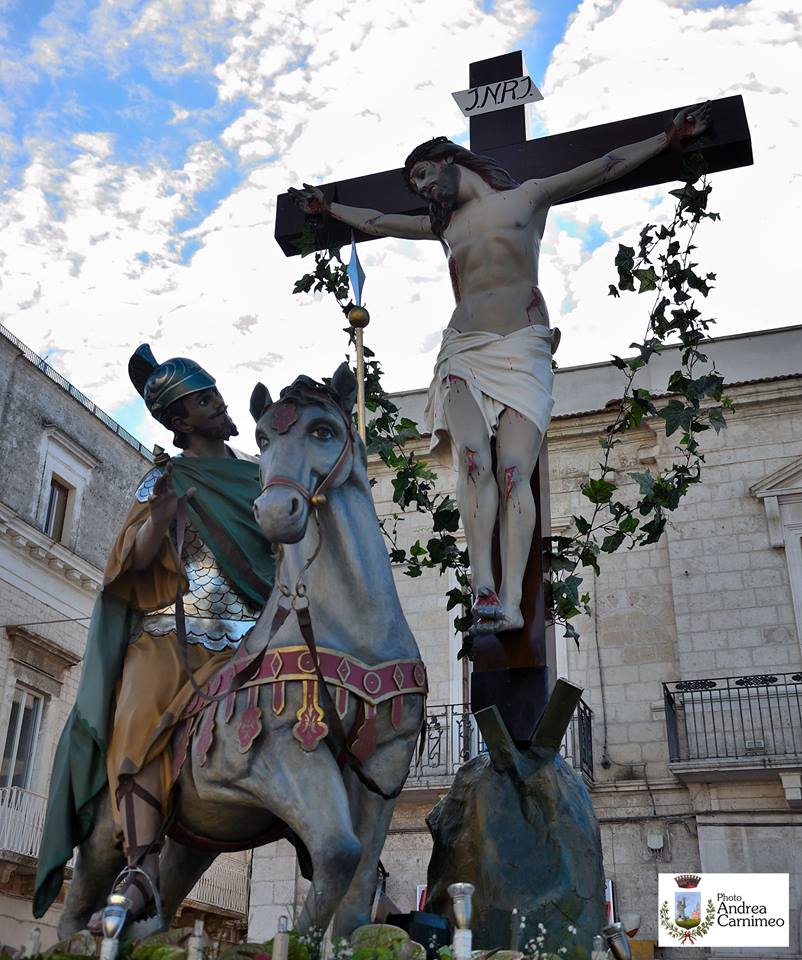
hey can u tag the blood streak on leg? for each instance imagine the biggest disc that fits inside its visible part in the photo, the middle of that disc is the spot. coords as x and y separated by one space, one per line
471 464
511 478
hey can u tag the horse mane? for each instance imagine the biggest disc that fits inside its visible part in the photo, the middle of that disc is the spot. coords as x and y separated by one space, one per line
305 390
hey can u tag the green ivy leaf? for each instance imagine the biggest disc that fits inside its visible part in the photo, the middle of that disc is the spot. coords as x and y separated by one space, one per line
645 482
676 415
582 525
598 491
648 279
716 417
612 542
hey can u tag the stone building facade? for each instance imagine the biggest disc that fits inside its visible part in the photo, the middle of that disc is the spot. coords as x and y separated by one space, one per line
67 475
691 663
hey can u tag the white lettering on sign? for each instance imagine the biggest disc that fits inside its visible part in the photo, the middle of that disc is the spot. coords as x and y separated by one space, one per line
497 96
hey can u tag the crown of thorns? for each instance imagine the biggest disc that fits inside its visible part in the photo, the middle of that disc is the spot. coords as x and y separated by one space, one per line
434 149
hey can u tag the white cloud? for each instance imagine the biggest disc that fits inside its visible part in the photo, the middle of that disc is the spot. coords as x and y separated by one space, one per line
332 97
93 246
682 55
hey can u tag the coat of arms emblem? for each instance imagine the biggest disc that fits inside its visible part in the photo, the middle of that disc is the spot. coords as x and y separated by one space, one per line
687 924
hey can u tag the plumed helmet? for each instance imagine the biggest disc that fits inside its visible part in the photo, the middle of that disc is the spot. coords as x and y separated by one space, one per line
161 384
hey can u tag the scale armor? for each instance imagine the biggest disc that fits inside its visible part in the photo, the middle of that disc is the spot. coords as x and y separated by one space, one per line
216 615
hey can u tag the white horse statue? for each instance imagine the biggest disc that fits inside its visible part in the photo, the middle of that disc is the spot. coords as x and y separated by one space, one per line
309 731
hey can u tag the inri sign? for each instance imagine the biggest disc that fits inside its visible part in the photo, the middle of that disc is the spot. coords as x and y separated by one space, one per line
497 96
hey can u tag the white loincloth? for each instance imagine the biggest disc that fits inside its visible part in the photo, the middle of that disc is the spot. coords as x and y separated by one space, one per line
500 372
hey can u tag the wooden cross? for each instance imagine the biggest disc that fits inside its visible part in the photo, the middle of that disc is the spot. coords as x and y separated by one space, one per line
516 670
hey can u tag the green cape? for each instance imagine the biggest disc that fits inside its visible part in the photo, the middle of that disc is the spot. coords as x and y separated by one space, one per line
226 489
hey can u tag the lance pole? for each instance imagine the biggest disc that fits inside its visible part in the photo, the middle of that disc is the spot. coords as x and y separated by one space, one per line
359 318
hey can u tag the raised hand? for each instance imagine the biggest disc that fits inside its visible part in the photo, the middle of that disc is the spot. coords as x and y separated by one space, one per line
163 499
691 123
310 199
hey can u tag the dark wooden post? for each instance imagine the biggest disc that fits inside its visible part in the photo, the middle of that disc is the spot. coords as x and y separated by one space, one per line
514 670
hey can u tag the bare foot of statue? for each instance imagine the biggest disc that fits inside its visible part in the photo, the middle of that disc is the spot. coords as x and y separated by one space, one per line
511 617
487 605
491 615
507 621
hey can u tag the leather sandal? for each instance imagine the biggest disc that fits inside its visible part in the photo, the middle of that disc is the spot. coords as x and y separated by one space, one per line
148 920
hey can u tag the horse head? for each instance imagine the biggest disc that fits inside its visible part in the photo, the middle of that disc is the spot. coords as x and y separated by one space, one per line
306 442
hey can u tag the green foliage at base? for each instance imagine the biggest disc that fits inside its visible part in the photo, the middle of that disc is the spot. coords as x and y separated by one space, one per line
147 951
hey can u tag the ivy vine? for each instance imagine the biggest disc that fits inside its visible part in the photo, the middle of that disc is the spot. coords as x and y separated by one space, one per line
693 401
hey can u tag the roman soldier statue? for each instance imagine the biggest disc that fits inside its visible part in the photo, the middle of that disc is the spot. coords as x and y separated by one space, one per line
190 539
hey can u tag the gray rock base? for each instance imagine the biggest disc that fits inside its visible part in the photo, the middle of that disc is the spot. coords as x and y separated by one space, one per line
527 837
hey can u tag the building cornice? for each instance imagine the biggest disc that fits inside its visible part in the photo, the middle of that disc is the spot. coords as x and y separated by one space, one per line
86 459
46 553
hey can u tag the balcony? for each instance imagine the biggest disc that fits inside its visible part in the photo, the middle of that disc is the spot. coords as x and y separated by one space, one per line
747 724
452 737
223 888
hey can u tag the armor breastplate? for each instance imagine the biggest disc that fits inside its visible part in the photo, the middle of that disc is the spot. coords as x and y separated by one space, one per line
216 615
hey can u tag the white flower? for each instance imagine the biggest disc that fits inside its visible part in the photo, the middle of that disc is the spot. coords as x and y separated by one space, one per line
572 929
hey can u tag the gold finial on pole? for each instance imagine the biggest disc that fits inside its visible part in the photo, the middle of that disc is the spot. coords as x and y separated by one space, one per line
359 318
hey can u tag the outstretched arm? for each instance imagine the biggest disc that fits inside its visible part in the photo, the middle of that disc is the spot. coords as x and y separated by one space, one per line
622 160
312 201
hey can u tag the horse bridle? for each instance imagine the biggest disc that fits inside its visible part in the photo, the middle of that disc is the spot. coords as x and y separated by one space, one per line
317 498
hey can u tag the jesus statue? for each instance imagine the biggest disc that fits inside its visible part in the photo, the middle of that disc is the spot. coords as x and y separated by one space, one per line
493 376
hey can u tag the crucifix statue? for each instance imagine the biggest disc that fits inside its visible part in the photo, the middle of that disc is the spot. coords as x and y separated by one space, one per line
491 396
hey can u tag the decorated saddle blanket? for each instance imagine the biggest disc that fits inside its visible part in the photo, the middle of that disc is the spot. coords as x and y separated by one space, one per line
347 677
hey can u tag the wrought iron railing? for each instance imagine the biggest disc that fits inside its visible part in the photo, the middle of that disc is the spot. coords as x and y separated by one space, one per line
734 717
41 364
22 817
452 737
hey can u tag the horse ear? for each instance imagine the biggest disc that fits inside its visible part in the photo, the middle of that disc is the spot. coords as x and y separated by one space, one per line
344 385
260 400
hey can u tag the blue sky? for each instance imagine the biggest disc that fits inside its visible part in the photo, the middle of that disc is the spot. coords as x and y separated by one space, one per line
143 142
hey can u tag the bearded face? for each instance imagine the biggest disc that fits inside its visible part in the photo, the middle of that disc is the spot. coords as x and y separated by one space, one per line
204 413
437 181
